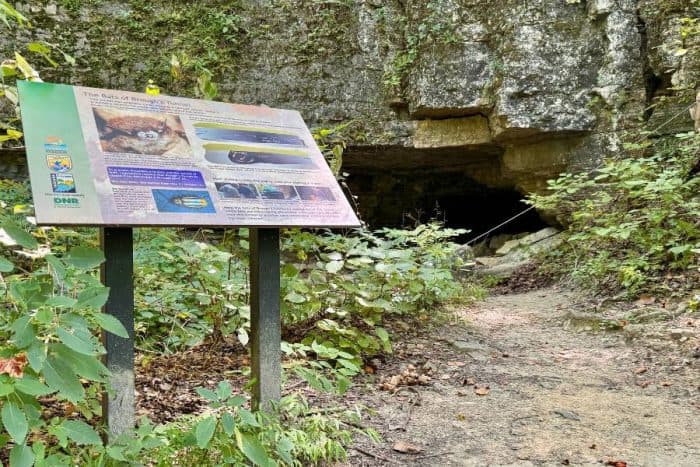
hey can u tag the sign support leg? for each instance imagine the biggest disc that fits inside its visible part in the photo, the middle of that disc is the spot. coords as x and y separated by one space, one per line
117 273
265 323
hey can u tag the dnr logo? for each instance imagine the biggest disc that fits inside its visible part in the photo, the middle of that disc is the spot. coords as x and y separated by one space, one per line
66 202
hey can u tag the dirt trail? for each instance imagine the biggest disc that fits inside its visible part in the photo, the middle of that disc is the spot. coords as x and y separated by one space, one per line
556 396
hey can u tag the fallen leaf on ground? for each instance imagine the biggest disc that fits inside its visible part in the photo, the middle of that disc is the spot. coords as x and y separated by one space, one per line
13 366
617 463
645 300
406 448
666 383
409 377
481 390
640 370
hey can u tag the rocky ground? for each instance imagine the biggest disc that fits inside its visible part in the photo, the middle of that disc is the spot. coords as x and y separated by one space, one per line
530 379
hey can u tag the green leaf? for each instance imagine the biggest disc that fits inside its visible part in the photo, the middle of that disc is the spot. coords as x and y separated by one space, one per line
15 421
45 316
61 301
39 449
680 249
21 456
223 390
39 48
19 235
60 377
87 366
236 401
32 386
111 324
81 432
207 394
204 431
342 384
252 449
70 60
36 354
294 297
116 453
30 293
85 258
5 265
6 389
93 297
334 266
23 332
248 417
382 334
76 342
227 423
58 267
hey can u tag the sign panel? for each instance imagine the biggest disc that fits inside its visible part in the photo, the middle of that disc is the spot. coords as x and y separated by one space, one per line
114 158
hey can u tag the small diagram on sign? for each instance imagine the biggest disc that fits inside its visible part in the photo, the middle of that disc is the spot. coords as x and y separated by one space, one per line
315 193
286 192
59 163
247 134
236 154
230 190
63 183
183 201
150 133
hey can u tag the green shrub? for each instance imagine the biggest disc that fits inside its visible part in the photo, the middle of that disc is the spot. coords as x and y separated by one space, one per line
632 220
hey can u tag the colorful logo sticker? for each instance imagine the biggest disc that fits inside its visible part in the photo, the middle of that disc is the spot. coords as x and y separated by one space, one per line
59 163
55 144
63 183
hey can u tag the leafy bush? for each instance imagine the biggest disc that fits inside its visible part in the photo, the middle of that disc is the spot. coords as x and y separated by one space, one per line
631 220
188 289
293 434
48 344
346 285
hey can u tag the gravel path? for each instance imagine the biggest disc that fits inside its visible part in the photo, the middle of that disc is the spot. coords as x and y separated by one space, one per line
512 384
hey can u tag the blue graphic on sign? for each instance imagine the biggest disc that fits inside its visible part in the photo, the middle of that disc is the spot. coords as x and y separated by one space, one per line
183 201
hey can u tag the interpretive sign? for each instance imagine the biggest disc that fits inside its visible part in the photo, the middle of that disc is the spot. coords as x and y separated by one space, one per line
113 158
119 159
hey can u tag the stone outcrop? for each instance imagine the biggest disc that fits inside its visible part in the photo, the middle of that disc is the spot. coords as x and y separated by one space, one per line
499 94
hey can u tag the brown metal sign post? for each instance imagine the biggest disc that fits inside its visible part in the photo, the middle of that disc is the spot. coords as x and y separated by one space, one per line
117 273
265 324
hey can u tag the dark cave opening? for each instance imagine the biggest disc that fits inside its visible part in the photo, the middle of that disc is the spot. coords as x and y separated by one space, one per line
405 198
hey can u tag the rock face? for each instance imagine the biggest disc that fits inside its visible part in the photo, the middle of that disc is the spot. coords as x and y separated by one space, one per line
490 95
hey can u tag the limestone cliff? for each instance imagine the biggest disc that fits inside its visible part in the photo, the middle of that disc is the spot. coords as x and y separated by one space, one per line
488 94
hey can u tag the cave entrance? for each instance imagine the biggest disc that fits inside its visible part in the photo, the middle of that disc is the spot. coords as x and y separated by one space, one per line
400 196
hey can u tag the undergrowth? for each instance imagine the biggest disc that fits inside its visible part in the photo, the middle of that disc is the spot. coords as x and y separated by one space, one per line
632 223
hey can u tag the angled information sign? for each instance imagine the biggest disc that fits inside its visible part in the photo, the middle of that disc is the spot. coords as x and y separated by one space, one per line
118 160
115 158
